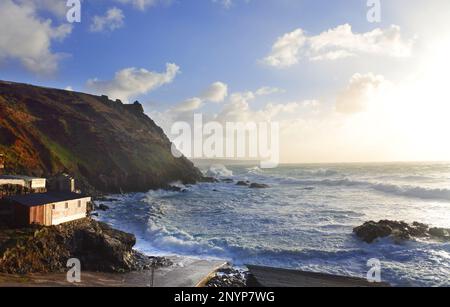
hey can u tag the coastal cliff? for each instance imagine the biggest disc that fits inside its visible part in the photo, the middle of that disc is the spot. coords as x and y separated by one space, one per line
106 145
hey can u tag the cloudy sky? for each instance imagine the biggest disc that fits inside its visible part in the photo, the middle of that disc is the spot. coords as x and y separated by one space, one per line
343 89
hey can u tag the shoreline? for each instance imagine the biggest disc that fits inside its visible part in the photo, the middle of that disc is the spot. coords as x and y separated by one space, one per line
190 272
185 272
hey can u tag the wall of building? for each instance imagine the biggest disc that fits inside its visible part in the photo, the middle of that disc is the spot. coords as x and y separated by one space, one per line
63 212
38 183
20 182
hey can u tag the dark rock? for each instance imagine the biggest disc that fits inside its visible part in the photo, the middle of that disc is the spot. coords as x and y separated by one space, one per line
399 231
243 183
160 262
228 277
47 249
259 186
440 233
209 180
103 207
371 231
227 180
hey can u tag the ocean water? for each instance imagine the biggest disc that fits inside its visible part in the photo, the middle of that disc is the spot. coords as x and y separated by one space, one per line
303 221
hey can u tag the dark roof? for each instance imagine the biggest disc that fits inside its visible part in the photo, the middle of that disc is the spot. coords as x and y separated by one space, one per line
39 199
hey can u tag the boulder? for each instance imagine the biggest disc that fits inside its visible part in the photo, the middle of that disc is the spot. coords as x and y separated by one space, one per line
259 186
371 231
440 233
243 183
399 231
39 249
227 180
103 207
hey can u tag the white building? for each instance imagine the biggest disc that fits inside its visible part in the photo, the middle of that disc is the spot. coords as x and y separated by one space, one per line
47 209
32 183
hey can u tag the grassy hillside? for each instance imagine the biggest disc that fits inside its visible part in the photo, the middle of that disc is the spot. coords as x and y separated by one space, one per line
105 144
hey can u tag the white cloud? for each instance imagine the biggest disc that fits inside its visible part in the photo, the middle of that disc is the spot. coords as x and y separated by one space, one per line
112 20
132 82
189 105
28 38
337 43
55 7
362 89
216 92
286 50
267 90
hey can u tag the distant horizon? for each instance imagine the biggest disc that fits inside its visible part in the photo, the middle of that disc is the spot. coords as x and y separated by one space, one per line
345 82
315 163
257 161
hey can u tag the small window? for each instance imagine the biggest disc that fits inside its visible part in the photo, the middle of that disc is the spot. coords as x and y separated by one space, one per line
67 205
79 204
53 207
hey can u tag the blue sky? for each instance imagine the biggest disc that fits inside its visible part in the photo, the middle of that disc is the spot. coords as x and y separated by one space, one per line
208 42
331 56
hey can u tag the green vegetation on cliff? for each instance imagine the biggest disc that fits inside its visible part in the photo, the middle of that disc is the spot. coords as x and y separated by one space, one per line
105 144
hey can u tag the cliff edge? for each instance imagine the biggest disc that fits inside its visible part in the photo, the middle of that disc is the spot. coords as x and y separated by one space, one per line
106 145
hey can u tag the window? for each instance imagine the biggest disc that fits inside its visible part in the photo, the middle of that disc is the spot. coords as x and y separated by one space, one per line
67 205
79 204
53 207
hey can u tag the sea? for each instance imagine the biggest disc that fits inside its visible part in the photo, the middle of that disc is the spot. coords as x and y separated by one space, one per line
304 220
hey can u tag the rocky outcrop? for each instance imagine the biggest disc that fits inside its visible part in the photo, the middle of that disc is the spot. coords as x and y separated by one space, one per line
259 186
106 145
252 185
228 277
399 231
47 249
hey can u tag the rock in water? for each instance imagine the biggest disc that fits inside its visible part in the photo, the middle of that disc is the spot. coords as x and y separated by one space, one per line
47 249
103 207
370 231
259 186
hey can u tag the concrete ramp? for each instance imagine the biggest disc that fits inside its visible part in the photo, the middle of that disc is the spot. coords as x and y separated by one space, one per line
186 272
278 278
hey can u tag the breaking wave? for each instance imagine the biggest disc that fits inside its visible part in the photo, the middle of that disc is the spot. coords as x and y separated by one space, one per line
400 190
219 170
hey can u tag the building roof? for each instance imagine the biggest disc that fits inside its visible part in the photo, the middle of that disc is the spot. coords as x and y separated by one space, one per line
39 199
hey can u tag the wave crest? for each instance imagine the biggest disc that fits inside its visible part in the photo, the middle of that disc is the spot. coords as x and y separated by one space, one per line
219 170
400 190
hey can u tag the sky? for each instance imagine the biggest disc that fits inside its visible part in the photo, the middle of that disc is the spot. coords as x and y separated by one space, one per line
342 88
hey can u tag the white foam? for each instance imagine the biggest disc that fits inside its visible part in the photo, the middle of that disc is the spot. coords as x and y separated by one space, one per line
219 170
